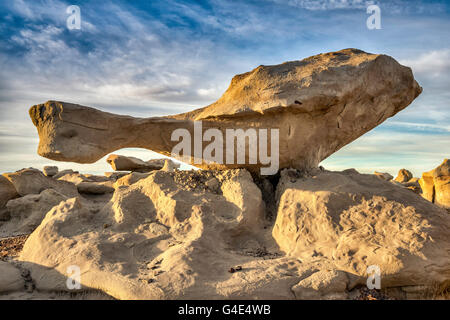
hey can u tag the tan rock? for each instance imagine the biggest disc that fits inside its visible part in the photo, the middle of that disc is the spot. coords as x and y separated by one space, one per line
116 175
131 178
163 242
27 212
7 191
319 105
325 284
32 181
169 166
123 163
403 176
383 175
50 171
435 185
62 173
359 220
95 187
10 278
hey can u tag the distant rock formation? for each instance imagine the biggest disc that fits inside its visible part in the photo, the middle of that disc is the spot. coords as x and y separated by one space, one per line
403 176
124 163
435 185
318 104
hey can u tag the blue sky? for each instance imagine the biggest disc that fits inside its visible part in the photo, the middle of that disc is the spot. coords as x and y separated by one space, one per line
149 58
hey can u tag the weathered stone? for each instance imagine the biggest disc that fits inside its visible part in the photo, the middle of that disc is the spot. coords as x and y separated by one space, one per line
123 163
169 166
10 278
131 178
383 175
27 212
319 105
116 175
435 185
62 173
7 191
325 284
403 176
359 220
95 187
161 242
33 181
50 171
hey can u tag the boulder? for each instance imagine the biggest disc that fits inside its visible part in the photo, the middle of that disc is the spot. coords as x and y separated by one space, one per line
155 240
435 185
318 105
62 173
131 178
27 212
50 171
32 181
7 191
116 175
324 284
169 166
358 220
123 163
10 278
383 175
403 176
95 187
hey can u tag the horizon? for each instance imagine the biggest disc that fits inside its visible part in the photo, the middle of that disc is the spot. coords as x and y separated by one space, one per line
165 57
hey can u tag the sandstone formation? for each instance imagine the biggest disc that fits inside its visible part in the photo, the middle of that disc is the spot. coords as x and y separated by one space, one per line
10 278
357 220
123 163
7 191
403 176
33 181
26 213
176 235
383 175
318 104
435 185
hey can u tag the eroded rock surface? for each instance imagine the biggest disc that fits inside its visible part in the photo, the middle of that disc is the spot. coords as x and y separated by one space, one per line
358 220
33 181
435 185
177 235
318 104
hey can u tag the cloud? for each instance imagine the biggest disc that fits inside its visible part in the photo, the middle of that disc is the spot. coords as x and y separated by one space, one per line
165 57
431 64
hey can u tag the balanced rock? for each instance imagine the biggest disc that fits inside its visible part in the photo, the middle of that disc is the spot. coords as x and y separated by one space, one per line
32 181
435 185
318 105
403 176
50 171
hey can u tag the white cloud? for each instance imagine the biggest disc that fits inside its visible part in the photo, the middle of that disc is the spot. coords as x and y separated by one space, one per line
430 64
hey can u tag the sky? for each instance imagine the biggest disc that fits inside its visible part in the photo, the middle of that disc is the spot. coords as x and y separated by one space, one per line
155 58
